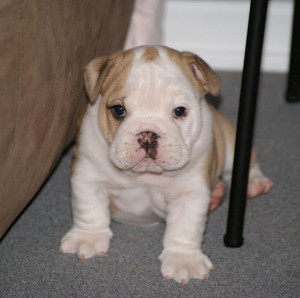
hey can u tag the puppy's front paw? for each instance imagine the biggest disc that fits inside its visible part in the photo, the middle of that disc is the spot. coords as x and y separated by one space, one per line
86 244
182 266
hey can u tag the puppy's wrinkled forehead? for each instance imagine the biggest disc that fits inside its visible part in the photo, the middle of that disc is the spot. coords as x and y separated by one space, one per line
145 69
109 73
153 79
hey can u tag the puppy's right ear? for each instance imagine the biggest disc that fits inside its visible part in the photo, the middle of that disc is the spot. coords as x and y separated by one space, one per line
94 75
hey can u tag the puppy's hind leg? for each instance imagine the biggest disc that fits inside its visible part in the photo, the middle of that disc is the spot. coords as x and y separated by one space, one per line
258 183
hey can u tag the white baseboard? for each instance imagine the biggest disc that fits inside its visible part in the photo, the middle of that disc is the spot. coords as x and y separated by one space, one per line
216 30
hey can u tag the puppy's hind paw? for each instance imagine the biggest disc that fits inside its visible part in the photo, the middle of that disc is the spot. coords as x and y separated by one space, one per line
86 244
258 184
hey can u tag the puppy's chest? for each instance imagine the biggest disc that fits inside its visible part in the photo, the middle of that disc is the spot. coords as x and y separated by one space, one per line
143 202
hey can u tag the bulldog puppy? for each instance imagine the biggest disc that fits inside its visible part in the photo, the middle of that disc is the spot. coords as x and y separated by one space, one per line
151 148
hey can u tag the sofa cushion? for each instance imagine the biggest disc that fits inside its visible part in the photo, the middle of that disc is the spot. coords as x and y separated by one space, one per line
44 48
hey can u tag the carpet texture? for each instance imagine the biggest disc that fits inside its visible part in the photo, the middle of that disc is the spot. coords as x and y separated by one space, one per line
267 265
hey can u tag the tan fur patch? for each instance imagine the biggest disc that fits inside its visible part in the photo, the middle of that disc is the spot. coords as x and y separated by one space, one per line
150 54
112 206
224 132
111 90
185 60
219 149
215 159
229 131
253 160
75 149
106 76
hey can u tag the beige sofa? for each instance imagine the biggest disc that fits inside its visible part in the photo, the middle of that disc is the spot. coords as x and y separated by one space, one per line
44 48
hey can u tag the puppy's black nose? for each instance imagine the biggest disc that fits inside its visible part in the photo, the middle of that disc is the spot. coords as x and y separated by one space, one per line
148 140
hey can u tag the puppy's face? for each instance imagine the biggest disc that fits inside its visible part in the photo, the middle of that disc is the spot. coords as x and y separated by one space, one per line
150 105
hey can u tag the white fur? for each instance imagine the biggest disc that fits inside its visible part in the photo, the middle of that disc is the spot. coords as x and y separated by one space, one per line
145 191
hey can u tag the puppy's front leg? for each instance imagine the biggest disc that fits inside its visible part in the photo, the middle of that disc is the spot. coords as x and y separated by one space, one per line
182 258
90 234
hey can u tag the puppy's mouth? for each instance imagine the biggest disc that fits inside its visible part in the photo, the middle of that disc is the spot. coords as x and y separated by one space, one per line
148 152
146 163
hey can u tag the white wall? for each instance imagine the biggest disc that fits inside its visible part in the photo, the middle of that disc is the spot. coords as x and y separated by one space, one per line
216 30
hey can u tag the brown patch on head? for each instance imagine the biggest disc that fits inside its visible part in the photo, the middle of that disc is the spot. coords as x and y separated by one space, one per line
106 77
150 54
197 71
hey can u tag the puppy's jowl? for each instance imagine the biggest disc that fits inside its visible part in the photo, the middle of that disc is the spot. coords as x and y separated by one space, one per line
151 148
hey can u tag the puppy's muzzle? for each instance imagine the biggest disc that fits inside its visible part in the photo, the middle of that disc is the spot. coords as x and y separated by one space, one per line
148 141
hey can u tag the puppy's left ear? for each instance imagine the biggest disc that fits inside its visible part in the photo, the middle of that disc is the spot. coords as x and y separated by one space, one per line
94 74
207 79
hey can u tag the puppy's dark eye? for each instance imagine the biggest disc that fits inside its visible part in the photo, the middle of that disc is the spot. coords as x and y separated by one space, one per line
180 112
118 111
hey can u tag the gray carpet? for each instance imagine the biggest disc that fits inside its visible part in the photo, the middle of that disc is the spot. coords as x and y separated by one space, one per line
267 265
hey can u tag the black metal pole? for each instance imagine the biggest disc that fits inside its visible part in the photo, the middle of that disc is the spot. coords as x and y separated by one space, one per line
245 126
293 82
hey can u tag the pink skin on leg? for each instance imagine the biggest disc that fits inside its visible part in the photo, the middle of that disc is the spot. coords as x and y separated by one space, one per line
257 186
217 196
